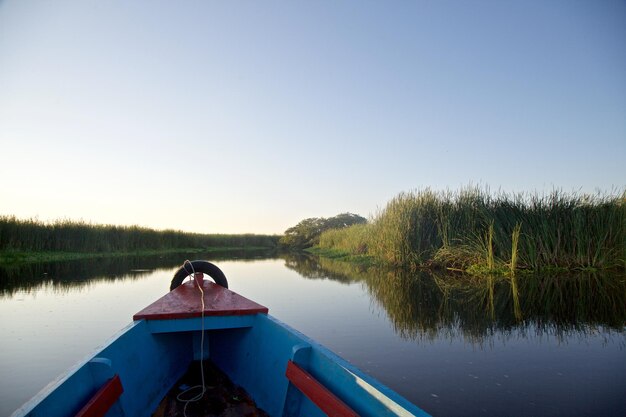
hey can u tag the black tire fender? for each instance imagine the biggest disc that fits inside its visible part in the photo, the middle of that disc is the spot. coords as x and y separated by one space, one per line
189 267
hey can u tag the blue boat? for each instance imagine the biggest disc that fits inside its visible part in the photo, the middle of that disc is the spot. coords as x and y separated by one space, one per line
285 372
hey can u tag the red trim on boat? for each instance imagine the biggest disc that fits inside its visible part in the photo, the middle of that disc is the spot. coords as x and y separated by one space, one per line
102 400
317 393
184 302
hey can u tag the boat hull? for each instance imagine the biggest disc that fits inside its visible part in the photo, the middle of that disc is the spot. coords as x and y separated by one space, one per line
254 350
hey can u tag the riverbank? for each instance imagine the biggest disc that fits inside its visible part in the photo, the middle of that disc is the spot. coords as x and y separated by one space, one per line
8 258
343 256
475 232
31 240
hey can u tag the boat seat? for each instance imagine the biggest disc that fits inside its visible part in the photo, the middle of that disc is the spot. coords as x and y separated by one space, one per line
325 400
103 399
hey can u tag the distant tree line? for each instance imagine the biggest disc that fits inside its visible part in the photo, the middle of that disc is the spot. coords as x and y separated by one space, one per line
307 233
77 236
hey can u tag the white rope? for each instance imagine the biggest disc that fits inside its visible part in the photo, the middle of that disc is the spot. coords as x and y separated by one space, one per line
198 397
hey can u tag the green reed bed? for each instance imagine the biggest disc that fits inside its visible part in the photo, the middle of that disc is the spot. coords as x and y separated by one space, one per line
20 237
475 231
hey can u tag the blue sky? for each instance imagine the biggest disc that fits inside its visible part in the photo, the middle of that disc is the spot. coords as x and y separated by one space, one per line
247 116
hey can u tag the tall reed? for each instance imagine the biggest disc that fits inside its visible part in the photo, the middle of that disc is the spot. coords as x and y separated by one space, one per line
77 236
474 227
514 244
490 260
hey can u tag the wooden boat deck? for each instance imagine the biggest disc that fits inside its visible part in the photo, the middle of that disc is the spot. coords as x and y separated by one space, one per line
184 302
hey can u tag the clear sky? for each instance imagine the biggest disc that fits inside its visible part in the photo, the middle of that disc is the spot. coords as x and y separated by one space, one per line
249 116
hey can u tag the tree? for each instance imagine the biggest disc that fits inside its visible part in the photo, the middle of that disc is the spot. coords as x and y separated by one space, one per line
306 233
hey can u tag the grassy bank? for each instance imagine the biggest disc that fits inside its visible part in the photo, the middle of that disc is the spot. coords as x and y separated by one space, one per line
474 231
12 257
31 240
339 255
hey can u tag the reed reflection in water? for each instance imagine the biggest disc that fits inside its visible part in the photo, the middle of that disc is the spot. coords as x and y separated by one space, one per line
71 275
527 345
424 305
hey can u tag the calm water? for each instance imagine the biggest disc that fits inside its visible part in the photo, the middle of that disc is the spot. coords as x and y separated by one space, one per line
490 347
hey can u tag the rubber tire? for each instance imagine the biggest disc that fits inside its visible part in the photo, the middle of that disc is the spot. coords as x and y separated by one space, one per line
199 266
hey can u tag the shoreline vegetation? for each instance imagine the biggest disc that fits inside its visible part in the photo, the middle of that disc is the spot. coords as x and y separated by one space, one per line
472 231
468 231
13 257
30 240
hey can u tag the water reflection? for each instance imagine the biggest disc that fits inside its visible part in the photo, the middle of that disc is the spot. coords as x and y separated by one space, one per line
427 306
64 276
315 268
419 305
529 346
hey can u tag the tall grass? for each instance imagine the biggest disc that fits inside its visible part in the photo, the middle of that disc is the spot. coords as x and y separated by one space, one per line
472 227
355 242
489 238
514 245
76 236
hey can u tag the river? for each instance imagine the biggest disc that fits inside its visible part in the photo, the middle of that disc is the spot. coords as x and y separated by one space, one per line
454 346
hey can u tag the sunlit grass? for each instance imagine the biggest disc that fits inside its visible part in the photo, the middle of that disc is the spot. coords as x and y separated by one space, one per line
473 230
514 244
20 239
